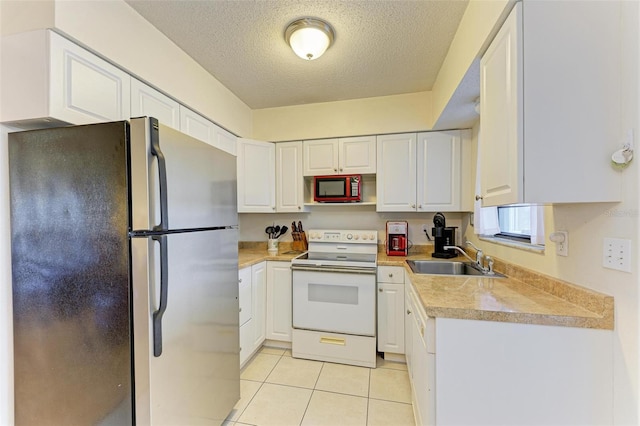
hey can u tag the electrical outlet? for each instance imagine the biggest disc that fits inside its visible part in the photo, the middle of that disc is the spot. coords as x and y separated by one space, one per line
616 254
561 238
425 227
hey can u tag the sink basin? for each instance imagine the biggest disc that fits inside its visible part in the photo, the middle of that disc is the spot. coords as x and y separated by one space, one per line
447 268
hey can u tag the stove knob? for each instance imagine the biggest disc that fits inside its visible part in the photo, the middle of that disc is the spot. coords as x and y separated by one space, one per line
371 237
349 236
357 237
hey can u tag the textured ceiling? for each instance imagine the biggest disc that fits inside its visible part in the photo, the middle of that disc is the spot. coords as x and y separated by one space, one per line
382 47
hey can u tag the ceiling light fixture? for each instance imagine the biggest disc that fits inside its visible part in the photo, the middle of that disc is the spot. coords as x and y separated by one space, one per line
309 37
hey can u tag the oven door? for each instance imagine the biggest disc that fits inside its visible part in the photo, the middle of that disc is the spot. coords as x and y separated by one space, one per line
334 300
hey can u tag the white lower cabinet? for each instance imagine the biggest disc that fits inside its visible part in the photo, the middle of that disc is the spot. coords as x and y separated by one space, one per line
466 372
279 301
391 310
252 283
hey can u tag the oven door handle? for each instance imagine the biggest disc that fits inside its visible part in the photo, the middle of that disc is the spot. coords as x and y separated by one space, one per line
347 270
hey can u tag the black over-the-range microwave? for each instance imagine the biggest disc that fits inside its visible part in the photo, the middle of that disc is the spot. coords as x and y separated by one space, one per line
337 188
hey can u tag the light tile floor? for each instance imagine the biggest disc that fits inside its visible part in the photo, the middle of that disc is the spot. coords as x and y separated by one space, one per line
279 390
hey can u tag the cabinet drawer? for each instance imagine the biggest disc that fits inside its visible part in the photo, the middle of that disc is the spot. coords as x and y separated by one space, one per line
391 274
332 347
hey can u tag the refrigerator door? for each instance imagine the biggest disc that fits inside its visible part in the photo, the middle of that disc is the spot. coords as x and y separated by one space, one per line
200 180
196 379
70 266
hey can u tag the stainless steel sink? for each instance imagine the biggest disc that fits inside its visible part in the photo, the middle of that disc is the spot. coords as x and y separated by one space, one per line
447 268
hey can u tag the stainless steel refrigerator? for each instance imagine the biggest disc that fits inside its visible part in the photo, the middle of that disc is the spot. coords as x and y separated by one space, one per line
124 244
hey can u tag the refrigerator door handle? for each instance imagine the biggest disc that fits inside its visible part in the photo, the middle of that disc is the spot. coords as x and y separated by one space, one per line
164 290
162 172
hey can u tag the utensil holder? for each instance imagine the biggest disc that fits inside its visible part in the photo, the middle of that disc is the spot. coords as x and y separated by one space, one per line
272 246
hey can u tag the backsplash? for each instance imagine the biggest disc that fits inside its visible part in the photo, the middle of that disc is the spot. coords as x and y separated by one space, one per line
252 225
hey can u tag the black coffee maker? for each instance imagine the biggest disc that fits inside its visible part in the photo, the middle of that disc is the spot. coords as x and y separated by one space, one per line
443 236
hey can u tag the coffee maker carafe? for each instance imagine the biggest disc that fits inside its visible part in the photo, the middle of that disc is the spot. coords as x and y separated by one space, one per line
397 238
443 236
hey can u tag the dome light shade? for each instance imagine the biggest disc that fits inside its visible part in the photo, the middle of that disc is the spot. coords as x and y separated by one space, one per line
309 38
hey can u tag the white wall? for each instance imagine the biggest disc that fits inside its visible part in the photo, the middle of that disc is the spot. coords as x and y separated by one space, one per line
370 116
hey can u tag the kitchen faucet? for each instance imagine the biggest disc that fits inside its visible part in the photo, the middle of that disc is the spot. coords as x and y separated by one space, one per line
479 258
479 254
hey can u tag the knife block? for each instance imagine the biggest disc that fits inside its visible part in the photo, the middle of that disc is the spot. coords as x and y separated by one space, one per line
299 241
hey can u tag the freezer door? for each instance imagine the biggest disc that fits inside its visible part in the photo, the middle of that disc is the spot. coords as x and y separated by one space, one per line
70 267
200 189
196 378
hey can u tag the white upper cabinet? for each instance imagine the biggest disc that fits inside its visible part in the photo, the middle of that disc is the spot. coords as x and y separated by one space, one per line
46 79
321 157
550 105
438 170
289 178
147 101
355 155
193 124
396 178
225 140
256 176
422 172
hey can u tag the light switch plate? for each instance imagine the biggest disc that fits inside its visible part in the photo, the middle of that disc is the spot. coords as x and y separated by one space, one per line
616 254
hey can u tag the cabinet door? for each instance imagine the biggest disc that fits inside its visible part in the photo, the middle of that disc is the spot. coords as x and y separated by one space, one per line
419 370
357 155
408 330
320 157
501 132
244 294
279 301
147 101
438 171
396 178
246 341
195 125
225 140
256 176
289 178
391 318
84 88
259 301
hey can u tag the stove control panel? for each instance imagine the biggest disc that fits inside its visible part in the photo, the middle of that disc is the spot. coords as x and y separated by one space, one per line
343 236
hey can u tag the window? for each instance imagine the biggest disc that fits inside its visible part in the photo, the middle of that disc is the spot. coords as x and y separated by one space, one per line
515 222
521 223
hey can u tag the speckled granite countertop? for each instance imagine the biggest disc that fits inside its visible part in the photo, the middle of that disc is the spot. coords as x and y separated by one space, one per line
523 296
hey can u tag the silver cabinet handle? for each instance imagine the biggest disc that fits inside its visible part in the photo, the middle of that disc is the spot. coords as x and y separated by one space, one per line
413 206
390 275
408 312
380 290
479 197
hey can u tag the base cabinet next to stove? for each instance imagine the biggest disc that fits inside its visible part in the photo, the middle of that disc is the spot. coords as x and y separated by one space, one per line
279 301
391 312
252 282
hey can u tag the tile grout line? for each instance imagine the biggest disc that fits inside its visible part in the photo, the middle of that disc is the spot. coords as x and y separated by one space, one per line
312 392
261 383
